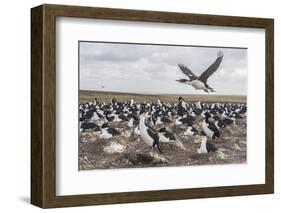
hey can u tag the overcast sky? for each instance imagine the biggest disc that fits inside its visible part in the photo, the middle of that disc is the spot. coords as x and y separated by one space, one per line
153 68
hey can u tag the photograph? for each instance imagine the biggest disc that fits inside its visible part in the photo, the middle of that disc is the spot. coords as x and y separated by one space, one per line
161 105
169 105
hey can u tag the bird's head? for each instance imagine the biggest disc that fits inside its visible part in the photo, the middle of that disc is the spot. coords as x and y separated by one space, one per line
207 116
183 80
144 113
180 98
113 101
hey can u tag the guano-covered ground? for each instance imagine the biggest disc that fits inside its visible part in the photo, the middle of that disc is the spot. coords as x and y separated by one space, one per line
130 151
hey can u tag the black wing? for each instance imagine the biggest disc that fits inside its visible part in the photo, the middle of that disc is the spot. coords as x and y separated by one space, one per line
123 117
205 75
228 121
89 125
152 133
210 147
187 72
216 131
110 117
113 131
99 115
212 127
193 129
187 120
169 135
165 120
221 124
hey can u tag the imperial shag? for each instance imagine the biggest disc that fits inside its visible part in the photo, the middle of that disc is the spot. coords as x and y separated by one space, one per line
200 83
148 134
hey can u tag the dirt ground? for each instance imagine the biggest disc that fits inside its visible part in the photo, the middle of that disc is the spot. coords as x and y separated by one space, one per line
129 151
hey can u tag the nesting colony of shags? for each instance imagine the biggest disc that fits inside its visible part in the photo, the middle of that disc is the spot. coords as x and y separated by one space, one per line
150 134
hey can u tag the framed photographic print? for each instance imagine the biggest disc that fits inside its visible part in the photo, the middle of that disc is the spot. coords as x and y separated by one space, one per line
137 106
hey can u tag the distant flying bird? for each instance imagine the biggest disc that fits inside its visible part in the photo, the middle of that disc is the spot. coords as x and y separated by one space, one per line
200 83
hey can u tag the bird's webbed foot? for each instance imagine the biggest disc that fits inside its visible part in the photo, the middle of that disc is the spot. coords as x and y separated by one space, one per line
158 147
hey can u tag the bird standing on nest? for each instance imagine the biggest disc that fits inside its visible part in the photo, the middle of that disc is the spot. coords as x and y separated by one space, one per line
205 146
148 134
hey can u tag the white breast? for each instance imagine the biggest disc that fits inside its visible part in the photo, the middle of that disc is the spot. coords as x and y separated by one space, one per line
183 104
162 138
158 121
95 117
198 84
207 131
223 115
188 132
145 136
137 130
117 119
104 134
178 122
202 148
216 123
131 123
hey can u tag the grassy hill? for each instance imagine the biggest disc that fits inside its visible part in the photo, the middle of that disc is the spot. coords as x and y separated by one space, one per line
87 95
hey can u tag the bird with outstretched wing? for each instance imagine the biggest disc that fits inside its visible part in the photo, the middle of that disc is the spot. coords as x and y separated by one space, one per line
200 83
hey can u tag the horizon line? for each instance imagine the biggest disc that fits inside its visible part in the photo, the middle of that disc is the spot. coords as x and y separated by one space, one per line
141 93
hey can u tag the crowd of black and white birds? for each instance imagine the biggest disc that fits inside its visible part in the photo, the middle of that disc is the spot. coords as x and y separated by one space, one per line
155 123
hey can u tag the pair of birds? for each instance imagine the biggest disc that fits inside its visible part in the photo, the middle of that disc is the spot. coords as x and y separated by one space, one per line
105 130
210 130
153 139
150 136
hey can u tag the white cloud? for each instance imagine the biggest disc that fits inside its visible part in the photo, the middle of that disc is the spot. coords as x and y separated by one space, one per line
153 68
